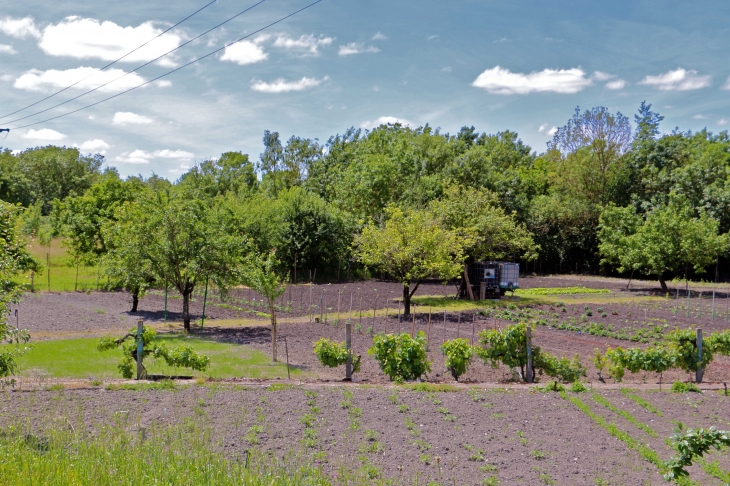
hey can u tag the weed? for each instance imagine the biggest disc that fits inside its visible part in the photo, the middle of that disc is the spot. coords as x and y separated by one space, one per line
498 415
624 414
422 445
431 387
394 397
490 481
426 459
402 408
371 435
488 468
538 454
307 420
475 395
682 387
279 387
640 401
578 387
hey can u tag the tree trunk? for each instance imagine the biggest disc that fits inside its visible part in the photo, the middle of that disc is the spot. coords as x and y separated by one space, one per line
135 299
186 310
406 300
273 331
469 291
663 283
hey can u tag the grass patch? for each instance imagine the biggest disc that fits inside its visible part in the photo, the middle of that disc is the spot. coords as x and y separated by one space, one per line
62 269
431 387
561 291
628 392
603 401
78 358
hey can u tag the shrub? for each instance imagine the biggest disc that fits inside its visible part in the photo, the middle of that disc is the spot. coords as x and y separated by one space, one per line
577 387
333 354
401 356
179 357
682 387
692 444
458 354
509 347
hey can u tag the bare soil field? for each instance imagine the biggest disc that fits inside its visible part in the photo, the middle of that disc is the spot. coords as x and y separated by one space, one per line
636 313
517 436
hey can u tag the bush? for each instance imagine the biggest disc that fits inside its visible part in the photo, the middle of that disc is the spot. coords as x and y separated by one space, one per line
458 354
682 387
509 347
401 356
179 357
333 354
577 387
690 445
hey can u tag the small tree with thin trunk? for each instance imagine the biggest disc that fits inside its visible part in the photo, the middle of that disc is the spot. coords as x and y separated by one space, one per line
259 273
410 247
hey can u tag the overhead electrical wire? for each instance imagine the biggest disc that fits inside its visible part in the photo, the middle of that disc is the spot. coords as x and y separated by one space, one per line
111 63
170 72
138 67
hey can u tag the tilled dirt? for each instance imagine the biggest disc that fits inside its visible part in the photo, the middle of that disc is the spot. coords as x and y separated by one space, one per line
464 437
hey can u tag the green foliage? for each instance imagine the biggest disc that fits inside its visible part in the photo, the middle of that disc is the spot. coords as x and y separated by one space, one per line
401 356
561 291
682 387
656 359
14 259
333 354
691 445
178 357
410 247
458 354
509 347
578 387
260 274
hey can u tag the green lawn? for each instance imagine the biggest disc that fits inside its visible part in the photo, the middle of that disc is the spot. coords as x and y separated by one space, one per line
62 270
78 358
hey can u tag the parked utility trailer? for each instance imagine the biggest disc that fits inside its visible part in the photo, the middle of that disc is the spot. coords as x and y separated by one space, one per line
493 279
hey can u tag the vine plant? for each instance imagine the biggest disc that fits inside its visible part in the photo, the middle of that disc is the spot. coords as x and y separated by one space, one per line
181 356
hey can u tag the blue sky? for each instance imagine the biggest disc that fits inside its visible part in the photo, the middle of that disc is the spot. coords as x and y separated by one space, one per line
518 65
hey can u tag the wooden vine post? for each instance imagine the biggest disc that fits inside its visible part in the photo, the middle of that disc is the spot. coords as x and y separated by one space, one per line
348 345
529 370
700 371
428 330
140 348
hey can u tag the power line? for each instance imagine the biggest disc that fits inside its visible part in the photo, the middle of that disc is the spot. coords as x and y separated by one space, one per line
111 63
170 72
138 67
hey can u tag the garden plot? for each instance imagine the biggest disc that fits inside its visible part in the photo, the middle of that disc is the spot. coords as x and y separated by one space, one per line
469 436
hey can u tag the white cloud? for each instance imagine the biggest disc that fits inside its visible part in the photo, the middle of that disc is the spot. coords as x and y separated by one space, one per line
7 49
356 48
501 39
601 76
44 134
544 129
446 69
432 37
502 81
244 52
308 43
19 28
163 83
35 80
127 118
616 84
143 157
699 116
89 38
379 36
678 80
722 121
282 86
95 146
727 84
385 120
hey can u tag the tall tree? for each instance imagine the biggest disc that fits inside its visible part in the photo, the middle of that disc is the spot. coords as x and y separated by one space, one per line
410 247
14 259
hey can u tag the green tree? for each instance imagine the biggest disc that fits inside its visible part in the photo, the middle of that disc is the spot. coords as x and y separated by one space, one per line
14 259
670 239
182 239
260 274
410 247
231 173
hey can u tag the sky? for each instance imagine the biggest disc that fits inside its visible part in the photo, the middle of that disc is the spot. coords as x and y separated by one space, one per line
519 65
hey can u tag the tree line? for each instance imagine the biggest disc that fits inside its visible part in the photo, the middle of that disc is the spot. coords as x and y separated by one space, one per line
406 203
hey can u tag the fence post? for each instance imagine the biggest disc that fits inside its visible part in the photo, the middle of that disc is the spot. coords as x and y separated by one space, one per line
689 300
458 326
428 330
140 348
444 327
473 322
713 304
482 290
165 300
413 322
529 354
700 371
286 348
676 304
348 345
205 301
